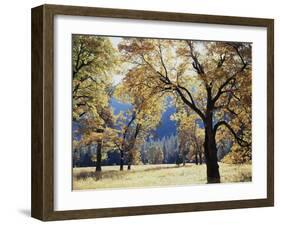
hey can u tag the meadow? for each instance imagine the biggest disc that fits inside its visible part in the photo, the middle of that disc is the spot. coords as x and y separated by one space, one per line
155 176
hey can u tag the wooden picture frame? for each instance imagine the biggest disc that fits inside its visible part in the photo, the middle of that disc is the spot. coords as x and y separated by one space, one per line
42 203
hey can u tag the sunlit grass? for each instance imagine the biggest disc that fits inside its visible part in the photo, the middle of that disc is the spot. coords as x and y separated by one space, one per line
155 175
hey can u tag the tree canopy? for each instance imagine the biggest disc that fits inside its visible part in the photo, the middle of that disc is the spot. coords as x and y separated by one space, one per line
208 83
213 79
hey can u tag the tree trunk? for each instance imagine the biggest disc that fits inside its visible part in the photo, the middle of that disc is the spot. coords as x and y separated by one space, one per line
196 158
213 175
130 158
98 164
121 160
200 158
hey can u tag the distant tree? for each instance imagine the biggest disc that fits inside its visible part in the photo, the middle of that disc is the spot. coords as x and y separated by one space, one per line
183 147
136 123
179 159
169 146
190 134
172 148
155 155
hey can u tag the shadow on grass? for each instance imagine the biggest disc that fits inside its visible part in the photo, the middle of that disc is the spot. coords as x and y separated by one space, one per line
163 168
117 174
112 174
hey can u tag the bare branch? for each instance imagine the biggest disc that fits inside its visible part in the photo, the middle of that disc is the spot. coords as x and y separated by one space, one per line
221 60
161 59
188 103
221 89
236 48
231 78
196 64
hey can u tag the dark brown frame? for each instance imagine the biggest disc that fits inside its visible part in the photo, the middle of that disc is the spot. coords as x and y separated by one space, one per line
42 203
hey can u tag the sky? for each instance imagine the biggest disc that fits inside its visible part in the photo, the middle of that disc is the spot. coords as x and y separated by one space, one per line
115 41
118 77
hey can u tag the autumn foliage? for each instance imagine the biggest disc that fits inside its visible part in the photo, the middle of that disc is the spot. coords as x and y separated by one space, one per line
207 82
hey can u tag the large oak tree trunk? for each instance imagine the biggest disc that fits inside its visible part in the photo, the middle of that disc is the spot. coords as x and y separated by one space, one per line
213 175
98 164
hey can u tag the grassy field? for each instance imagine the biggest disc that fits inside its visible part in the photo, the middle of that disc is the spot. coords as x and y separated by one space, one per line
155 175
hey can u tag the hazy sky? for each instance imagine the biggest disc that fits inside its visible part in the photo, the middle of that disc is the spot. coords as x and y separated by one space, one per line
115 41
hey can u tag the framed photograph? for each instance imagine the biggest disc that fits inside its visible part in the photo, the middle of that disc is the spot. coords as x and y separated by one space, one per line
141 112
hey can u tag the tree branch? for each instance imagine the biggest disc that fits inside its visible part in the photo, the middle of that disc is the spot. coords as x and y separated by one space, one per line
236 48
167 81
162 61
191 105
196 64
244 65
188 93
221 61
239 140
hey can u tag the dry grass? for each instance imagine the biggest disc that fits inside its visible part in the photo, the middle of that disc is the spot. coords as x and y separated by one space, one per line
155 175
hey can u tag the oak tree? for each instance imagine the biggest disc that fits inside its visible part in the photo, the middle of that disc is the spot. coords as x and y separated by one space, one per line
213 79
94 60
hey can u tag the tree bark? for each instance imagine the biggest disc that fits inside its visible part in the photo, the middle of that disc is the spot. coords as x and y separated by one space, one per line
130 157
98 164
196 158
121 160
200 158
213 175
